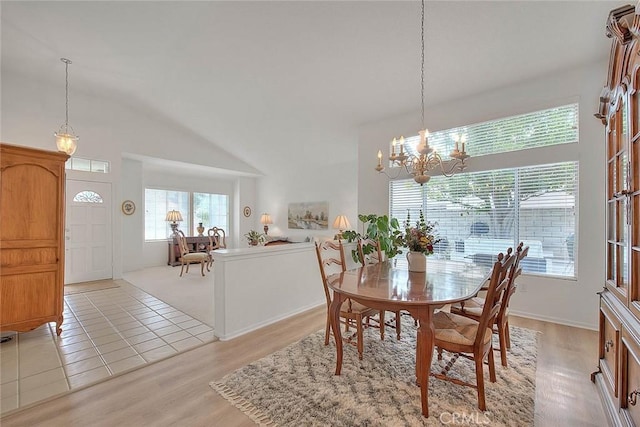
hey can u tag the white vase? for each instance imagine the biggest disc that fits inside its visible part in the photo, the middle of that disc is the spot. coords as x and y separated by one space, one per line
417 261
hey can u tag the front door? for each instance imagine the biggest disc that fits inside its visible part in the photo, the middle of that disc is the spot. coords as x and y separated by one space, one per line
88 253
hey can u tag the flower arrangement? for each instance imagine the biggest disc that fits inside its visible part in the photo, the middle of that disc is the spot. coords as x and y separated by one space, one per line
421 237
255 238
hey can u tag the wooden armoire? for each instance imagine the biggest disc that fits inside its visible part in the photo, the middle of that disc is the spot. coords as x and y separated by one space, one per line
32 205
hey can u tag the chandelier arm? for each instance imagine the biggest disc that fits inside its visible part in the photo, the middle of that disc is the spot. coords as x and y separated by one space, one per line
453 166
384 171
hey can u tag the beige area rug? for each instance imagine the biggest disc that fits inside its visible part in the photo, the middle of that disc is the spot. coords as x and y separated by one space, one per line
296 386
98 285
192 293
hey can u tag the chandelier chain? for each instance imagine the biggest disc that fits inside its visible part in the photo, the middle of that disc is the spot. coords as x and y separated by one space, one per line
422 66
66 92
66 89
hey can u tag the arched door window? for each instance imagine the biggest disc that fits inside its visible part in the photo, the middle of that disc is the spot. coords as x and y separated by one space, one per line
88 197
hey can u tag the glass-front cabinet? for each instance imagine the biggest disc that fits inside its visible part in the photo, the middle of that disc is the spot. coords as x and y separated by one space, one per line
618 374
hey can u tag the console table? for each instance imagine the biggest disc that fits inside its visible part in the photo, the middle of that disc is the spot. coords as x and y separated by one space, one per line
195 243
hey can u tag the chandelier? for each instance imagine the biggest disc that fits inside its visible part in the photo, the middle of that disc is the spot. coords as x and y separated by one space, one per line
426 158
66 140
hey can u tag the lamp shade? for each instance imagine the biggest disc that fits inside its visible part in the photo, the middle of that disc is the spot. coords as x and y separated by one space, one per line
265 219
173 216
341 223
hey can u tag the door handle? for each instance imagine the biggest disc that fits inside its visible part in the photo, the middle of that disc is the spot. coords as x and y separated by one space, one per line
608 345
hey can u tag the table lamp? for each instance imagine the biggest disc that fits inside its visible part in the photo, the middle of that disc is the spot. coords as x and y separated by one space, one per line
341 223
175 217
265 220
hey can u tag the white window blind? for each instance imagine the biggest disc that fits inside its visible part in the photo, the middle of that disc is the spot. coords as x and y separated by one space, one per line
156 205
209 209
480 214
558 125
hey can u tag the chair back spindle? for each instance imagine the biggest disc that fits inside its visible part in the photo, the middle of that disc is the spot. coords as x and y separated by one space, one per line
329 253
493 301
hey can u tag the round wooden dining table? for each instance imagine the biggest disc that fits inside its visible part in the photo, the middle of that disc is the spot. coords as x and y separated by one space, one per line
385 286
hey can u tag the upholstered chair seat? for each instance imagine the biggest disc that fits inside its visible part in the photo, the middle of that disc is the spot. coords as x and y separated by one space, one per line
458 329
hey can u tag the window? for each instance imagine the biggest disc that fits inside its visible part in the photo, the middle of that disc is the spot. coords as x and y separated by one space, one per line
156 205
210 209
88 197
482 213
553 126
87 165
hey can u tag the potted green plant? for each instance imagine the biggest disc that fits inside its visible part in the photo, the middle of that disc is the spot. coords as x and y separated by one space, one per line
255 238
378 227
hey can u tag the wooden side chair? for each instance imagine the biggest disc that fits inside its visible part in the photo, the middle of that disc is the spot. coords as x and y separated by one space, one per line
187 257
370 253
331 254
473 308
217 240
470 338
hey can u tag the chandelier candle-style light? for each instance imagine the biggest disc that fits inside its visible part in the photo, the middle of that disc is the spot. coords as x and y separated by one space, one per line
427 159
66 140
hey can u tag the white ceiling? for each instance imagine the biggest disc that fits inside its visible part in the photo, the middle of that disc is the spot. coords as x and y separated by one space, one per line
264 79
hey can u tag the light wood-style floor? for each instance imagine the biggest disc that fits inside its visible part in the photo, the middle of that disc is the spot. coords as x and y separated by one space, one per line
176 391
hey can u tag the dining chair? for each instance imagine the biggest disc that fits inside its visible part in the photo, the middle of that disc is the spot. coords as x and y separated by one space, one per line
369 253
470 338
187 257
473 308
330 255
217 240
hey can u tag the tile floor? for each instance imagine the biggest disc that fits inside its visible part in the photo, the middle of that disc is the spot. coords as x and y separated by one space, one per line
105 332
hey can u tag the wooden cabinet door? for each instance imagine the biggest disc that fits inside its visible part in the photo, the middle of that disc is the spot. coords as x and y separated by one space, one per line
618 207
629 399
608 347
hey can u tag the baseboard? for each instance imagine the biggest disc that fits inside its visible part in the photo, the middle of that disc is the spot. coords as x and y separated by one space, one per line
557 320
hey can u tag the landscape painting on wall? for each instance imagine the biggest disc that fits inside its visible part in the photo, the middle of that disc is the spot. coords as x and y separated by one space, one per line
309 216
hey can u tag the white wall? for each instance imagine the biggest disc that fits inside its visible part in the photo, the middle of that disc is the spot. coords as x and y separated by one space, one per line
32 110
132 225
564 301
334 183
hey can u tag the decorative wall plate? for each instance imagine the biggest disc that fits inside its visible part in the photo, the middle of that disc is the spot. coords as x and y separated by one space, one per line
128 207
246 211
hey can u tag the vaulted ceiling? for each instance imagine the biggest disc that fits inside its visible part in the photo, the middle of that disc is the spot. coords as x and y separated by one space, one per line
267 79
